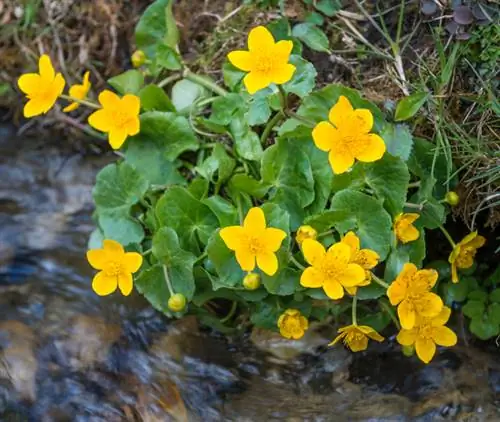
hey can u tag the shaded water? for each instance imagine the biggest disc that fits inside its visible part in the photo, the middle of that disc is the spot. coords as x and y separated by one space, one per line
67 355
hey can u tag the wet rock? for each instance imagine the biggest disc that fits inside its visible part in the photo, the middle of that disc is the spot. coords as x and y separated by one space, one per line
18 363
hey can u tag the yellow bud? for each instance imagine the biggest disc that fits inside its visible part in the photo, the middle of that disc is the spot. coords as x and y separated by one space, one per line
138 58
305 232
177 302
408 350
251 281
452 198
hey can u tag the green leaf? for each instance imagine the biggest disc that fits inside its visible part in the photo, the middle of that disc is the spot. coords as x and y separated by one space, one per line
198 188
311 36
147 155
247 184
189 217
494 313
416 249
118 187
232 76
479 295
228 270
367 216
395 263
224 211
409 106
154 98
484 329
328 7
247 142
326 219
455 292
225 109
389 178
495 296
304 78
370 292
151 284
281 30
179 263
129 82
185 93
265 316
157 26
95 239
168 58
315 18
398 140
219 161
289 201
354 179
284 283
259 111
120 227
172 133
378 321
474 309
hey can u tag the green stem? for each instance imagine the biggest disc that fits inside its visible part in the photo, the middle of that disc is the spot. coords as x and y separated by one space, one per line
419 207
301 119
167 280
354 304
200 258
323 234
231 312
297 263
169 80
77 100
447 235
385 307
379 281
283 98
147 252
269 127
212 86
240 209
414 184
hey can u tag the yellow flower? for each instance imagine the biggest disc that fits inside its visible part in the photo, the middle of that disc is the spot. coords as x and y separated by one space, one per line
356 337
292 324
42 88
138 58
411 290
118 116
254 242
404 228
331 270
365 258
346 136
305 232
79 92
464 252
116 267
427 333
266 61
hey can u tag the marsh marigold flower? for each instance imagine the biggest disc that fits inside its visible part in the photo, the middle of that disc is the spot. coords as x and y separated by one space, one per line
254 242
42 88
119 117
266 60
355 337
411 292
346 136
404 229
305 232
292 324
428 332
79 92
464 252
331 270
116 268
365 258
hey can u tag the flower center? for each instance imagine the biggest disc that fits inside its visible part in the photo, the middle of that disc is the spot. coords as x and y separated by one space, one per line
120 118
113 269
330 269
465 257
353 337
264 63
425 331
254 245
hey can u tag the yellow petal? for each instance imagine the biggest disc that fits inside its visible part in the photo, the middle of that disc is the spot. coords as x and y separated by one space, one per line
333 290
245 259
409 217
297 333
260 39
29 82
366 258
113 246
396 292
104 285
338 338
117 137
232 236
313 251
362 120
324 135
273 238
34 107
109 100
351 290
46 69
125 283
311 277
101 120
340 161
426 277
429 305
407 234
131 104
304 323
282 50
255 221
241 59
406 314
267 262
454 273
97 258
444 336
285 332
425 348
469 238
374 148
58 86
282 74
71 107
477 242
340 253
133 126
133 261
370 332
340 111
442 318
351 240
255 81
407 337
358 344
352 276
86 80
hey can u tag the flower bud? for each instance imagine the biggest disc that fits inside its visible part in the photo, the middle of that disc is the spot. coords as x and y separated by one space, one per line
408 351
452 198
138 58
251 281
305 232
177 302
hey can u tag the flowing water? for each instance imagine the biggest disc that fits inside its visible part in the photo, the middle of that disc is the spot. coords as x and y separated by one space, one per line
68 355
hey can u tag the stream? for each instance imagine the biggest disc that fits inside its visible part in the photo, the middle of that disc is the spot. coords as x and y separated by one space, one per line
69 355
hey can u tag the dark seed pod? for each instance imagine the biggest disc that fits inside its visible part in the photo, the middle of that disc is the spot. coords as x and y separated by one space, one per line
463 15
428 7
